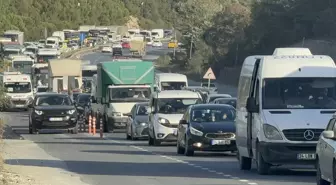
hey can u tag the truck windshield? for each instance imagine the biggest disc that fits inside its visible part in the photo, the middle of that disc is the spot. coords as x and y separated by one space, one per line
88 73
131 94
175 105
23 66
16 87
299 93
172 85
51 42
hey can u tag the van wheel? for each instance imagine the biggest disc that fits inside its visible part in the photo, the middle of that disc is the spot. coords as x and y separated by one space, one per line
319 180
150 140
156 142
188 151
245 163
262 166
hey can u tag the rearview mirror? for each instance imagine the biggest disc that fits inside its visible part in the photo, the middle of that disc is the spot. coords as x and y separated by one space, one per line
183 122
328 134
251 105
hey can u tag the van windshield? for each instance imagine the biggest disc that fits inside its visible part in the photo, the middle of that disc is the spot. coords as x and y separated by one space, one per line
173 85
299 93
175 105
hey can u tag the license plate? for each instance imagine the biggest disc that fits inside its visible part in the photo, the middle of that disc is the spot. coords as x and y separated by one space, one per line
55 119
220 142
175 132
306 156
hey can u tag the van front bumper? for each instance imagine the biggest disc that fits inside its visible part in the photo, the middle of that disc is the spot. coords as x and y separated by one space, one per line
287 153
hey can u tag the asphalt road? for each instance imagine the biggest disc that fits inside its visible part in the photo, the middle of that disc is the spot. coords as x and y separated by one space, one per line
114 160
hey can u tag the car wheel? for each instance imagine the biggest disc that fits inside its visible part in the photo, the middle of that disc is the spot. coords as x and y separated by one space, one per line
187 150
150 140
245 163
128 137
180 150
75 129
132 135
319 180
262 166
32 129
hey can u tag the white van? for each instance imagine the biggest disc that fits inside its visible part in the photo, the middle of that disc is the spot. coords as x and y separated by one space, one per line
284 103
170 81
166 111
52 42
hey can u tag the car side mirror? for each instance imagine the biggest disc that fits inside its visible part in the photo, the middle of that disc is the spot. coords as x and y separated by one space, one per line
328 134
183 122
251 105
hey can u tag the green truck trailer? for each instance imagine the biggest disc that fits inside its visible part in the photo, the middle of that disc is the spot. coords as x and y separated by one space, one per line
120 85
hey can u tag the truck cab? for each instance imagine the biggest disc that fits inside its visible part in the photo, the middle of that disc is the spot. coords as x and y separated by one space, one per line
19 89
23 64
170 81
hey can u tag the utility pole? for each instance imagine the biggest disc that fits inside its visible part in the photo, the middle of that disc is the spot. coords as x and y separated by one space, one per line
174 41
191 45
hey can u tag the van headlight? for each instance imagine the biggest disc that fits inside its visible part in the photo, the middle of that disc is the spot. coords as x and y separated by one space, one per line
71 111
38 112
271 132
196 132
163 121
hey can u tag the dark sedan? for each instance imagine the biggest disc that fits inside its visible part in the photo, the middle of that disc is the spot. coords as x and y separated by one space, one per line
52 111
228 101
207 127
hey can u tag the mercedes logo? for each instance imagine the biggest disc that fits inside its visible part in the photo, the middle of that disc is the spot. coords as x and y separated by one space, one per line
308 135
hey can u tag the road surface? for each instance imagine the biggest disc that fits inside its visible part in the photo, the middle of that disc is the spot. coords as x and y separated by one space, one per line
114 160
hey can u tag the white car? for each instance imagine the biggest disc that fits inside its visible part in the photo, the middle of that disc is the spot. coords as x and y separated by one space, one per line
325 155
157 43
118 45
107 49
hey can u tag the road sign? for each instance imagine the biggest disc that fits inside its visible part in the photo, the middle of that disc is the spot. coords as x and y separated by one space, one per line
209 75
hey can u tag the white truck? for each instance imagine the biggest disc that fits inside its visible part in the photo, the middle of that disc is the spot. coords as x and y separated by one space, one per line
59 34
52 42
19 89
44 55
157 33
65 79
15 36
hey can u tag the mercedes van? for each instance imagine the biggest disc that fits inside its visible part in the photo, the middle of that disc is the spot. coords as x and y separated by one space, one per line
284 103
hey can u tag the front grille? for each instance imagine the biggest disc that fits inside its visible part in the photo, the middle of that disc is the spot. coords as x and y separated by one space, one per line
226 135
19 102
299 134
54 112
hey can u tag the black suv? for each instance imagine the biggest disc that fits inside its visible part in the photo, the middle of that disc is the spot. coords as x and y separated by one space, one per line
52 111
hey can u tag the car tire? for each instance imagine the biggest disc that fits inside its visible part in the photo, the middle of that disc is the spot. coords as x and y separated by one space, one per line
180 150
319 180
188 151
32 129
245 163
150 140
262 167
132 135
75 129
128 137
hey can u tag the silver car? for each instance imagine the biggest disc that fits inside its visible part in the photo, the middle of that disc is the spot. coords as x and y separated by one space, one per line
137 124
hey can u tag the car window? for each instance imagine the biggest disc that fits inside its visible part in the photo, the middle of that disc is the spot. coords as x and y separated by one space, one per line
142 110
210 115
52 100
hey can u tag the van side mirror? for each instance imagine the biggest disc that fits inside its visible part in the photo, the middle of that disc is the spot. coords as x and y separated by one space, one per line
251 105
183 122
155 88
328 134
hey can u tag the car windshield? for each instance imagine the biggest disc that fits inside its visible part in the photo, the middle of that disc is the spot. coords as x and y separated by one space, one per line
218 114
53 100
299 93
175 105
42 89
11 52
142 110
131 94
206 85
173 85
83 98
232 102
213 97
16 87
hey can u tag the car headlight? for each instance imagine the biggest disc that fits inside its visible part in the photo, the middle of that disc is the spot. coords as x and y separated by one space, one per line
116 114
38 112
196 132
71 111
163 121
142 124
271 132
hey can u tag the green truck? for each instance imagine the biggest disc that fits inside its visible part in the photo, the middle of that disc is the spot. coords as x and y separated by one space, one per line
119 85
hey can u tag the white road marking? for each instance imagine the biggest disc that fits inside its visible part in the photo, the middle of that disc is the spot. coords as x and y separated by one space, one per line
184 162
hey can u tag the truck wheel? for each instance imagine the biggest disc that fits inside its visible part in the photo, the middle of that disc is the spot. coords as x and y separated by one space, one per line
262 166
244 162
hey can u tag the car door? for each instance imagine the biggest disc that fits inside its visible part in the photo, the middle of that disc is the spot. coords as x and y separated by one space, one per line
326 151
